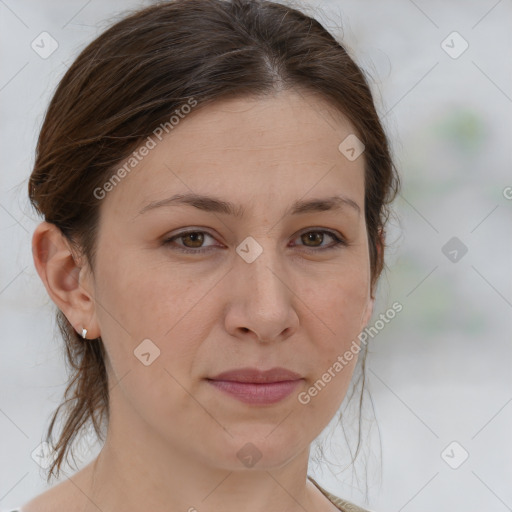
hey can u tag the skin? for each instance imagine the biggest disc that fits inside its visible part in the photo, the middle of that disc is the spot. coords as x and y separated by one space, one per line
173 438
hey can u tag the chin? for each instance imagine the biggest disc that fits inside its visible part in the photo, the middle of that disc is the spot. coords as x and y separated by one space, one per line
259 449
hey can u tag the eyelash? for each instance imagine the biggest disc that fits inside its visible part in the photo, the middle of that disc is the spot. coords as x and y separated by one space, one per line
336 245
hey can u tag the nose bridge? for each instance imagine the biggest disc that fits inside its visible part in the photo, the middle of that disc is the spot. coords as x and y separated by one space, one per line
262 291
263 269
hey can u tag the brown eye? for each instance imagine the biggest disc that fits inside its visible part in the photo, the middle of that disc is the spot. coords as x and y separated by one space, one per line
192 242
314 239
313 236
195 237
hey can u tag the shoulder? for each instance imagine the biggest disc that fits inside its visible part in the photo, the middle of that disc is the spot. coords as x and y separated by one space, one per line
61 498
341 504
65 496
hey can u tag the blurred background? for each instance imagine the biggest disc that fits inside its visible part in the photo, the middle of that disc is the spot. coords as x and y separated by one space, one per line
438 415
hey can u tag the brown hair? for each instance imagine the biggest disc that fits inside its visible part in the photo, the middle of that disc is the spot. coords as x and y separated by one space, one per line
128 81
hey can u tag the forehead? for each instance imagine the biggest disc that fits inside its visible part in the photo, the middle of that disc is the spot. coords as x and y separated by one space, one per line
243 148
272 123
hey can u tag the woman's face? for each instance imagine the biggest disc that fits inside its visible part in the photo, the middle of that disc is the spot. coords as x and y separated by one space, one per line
261 286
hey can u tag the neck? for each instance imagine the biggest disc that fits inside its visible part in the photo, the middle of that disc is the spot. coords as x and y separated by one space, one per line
138 470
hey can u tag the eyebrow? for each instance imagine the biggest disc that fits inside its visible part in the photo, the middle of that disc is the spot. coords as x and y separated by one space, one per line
217 205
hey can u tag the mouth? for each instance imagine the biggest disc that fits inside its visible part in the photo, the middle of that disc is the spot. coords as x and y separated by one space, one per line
257 387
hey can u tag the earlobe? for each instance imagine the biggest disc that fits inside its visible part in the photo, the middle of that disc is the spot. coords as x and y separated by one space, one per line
60 273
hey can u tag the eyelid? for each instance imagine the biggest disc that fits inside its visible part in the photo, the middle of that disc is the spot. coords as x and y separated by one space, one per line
339 240
169 240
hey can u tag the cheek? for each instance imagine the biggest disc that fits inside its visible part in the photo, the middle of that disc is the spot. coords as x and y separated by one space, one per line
339 300
141 301
338 306
336 350
145 299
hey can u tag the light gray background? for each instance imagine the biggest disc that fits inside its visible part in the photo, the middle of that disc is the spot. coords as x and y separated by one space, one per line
441 370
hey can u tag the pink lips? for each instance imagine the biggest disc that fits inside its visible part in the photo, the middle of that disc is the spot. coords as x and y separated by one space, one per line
254 386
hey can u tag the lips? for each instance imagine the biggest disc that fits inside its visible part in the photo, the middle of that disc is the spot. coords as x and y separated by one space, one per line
257 387
255 376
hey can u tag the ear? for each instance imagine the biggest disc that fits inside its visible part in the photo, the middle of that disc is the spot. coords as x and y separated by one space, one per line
371 302
367 312
67 281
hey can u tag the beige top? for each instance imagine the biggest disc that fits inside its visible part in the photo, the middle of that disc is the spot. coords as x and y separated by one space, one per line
343 505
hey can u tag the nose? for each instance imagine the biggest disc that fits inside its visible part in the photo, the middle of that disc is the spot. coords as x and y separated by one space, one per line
262 303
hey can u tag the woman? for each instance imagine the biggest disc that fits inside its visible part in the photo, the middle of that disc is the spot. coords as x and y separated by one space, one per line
215 182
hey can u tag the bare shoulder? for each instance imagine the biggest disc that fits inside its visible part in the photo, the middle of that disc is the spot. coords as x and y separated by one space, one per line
56 499
66 496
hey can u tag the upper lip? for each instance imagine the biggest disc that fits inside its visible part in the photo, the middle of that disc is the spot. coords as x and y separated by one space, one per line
258 376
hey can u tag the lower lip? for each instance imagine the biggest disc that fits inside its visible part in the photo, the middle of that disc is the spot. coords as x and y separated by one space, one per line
252 393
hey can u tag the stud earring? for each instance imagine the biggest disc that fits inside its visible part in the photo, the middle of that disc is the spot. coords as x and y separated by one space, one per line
84 333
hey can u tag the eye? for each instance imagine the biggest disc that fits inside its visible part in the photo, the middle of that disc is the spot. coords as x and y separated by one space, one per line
318 236
193 241
194 238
